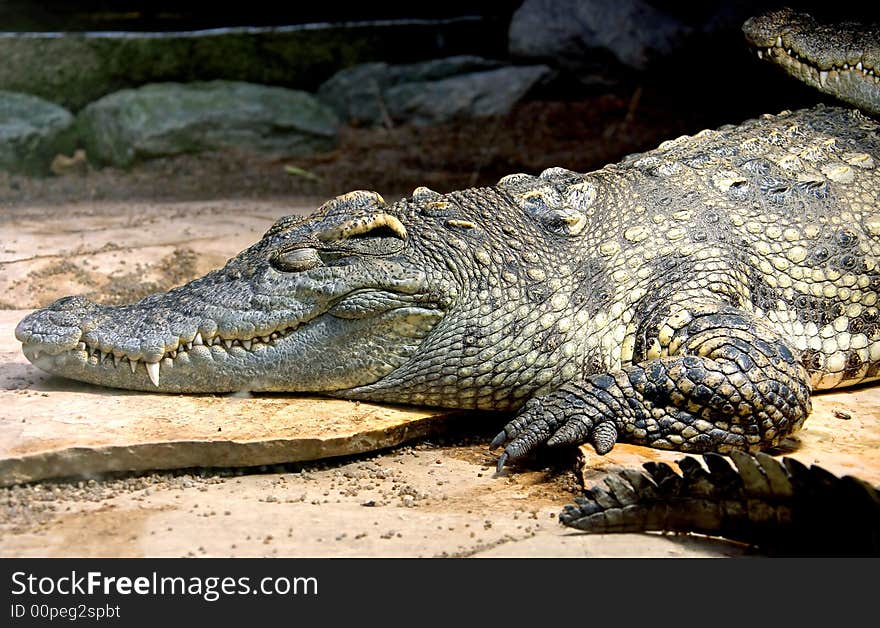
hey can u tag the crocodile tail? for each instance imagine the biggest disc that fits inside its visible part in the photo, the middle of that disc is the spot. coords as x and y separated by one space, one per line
780 508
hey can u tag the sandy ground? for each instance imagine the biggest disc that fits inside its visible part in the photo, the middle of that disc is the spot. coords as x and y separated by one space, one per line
425 500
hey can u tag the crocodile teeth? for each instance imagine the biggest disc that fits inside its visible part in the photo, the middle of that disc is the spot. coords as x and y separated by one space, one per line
81 346
779 41
227 343
247 344
153 372
133 365
115 360
265 339
198 339
823 78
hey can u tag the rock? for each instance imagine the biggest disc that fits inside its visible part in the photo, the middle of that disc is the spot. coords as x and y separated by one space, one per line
430 92
172 118
74 69
33 132
357 93
466 96
566 31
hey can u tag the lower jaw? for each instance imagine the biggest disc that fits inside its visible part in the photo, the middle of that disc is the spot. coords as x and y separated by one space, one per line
183 374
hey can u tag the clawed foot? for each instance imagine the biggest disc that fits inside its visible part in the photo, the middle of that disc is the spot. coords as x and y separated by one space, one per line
734 386
554 420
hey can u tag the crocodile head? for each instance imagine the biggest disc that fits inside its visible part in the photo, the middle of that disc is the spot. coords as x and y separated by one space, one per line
841 59
326 303
457 300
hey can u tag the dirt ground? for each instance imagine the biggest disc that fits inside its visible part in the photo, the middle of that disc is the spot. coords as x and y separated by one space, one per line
119 235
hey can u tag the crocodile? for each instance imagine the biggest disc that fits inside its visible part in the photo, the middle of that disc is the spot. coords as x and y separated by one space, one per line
841 59
690 298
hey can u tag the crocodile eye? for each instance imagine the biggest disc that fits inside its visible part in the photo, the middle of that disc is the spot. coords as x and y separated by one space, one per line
295 260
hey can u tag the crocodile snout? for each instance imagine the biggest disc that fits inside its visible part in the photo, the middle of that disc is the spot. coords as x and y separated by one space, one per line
58 327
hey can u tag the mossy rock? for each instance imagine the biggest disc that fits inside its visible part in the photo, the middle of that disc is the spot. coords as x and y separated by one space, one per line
32 132
172 118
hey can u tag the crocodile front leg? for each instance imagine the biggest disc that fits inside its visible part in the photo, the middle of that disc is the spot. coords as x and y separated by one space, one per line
723 380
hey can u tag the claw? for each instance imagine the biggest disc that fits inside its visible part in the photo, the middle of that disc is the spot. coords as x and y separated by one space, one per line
502 459
498 440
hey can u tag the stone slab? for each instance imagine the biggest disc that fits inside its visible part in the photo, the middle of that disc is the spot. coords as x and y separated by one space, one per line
51 427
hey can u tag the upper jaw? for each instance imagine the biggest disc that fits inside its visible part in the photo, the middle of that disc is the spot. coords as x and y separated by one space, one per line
204 312
115 366
93 345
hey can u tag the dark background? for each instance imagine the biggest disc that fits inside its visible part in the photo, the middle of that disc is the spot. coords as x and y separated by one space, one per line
711 74
81 15
709 80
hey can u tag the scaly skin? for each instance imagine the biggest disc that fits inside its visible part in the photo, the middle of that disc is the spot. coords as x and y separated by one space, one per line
782 508
840 59
687 298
